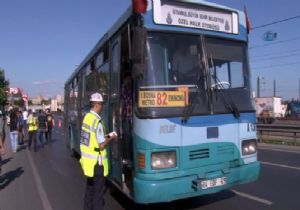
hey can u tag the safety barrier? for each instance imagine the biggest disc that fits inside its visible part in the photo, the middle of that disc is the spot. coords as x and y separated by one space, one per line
284 133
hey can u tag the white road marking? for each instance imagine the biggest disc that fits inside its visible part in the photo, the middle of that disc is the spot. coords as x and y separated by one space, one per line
280 165
40 186
280 150
251 197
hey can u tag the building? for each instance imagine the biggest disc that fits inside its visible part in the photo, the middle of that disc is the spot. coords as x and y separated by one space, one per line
57 103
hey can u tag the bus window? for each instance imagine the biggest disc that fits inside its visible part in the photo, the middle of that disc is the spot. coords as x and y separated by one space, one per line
222 73
115 70
90 84
236 74
156 65
226 62
176 59
106 53
99 60
170 63
102 82
102 56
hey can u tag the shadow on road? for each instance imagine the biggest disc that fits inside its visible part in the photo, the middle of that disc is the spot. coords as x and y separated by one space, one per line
184 204
4 161
9 177
21 147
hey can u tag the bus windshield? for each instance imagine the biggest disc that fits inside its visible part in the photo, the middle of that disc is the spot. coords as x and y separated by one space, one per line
179 60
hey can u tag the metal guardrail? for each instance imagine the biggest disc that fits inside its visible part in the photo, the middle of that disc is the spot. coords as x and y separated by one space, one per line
289 133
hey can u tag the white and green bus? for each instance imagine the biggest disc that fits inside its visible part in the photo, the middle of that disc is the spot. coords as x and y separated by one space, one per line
187 123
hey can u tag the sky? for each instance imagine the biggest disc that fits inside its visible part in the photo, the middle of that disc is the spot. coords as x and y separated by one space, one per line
42 41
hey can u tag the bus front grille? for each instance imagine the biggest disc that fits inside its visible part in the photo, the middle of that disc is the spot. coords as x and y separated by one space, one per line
225 150
199 154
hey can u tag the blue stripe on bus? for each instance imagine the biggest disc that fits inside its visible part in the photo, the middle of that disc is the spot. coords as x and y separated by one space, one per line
171 132
216 120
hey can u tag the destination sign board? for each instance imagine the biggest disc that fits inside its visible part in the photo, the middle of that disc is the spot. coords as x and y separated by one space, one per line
195 16
162 99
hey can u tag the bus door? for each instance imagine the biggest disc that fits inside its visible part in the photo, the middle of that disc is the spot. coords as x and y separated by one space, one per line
115 118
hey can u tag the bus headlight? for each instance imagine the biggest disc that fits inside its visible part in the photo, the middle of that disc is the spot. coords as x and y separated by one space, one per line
162 160
249 147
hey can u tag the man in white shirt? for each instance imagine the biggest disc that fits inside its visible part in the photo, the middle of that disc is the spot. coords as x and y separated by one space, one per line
25 117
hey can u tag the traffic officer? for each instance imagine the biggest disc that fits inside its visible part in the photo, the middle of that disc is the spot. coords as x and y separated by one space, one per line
32 124
94 162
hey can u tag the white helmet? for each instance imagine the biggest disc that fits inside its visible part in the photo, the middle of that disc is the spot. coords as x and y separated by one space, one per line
96 97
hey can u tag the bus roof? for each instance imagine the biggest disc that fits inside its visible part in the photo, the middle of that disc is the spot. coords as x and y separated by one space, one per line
151 25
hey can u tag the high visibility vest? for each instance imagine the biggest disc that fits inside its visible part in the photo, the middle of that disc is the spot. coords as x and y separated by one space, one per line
32 123
89 146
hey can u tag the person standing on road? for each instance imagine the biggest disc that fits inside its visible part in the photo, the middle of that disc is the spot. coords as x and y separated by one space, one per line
50 126
94 160
32 129
43 126
20 128
13 125
2 138
25 118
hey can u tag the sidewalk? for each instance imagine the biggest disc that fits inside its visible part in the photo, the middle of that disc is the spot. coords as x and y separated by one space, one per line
17 186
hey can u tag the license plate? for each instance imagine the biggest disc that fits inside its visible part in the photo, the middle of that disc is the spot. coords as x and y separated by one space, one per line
213 183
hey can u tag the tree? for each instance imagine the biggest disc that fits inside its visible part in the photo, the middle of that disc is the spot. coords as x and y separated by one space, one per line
3 88
19 102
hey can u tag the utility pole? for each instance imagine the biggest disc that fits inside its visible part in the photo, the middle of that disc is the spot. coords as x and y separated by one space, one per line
260 81
274 88
258 87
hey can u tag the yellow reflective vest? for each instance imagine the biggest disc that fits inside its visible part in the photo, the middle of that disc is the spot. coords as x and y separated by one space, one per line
32 123
89 146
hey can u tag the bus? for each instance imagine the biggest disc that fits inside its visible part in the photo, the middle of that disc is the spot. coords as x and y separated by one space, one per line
175 78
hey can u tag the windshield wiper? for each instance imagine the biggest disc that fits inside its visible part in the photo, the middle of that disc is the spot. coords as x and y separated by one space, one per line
229 105
226 98
189 110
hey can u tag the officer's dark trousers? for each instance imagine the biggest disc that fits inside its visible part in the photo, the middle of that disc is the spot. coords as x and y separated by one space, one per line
94 192
32 136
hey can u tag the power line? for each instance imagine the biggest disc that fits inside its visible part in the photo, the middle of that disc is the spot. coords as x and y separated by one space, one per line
276 22
275 65
275 57
279 42
275 53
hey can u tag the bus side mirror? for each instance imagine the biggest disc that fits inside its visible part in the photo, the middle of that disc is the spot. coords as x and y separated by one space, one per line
138 51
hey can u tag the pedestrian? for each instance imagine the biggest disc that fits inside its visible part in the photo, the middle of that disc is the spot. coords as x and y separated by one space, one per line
2 138
32 129
25 118
42 126
13 125
94 160
20 128
50 126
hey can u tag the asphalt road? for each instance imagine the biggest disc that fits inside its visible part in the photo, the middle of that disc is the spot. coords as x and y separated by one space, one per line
51 179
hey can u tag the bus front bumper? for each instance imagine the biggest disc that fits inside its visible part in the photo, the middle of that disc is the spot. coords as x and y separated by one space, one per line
157 191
